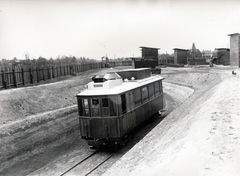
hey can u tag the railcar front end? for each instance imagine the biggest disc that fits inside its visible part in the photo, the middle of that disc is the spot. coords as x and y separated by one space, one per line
111 108
99 120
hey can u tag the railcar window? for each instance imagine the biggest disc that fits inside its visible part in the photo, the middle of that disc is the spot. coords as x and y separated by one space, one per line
137 96
160 85
84 107
144 93
105 107
95 107
151 90
124 103
80 106
156 86
105 102
112 106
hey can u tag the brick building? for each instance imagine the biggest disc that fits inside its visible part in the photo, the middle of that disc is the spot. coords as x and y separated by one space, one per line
235 49
180 56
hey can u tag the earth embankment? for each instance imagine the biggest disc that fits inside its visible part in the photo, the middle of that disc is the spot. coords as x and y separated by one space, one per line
200 137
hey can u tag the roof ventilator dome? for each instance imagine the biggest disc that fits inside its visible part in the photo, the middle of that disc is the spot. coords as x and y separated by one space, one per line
98 79
108 76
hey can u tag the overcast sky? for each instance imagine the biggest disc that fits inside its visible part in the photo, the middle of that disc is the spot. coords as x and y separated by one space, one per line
94 28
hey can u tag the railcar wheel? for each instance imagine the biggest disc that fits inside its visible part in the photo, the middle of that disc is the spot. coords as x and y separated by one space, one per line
94 147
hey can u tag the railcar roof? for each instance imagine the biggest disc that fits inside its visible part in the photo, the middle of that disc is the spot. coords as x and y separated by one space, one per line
126 86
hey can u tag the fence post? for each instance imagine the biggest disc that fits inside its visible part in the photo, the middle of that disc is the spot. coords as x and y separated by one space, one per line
3 80
71 70
23 80
53 74
14 77
43 74
37 75
48 71
60 70
56 68
31 75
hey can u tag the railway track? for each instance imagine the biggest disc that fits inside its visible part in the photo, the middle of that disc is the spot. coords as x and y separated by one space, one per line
89 164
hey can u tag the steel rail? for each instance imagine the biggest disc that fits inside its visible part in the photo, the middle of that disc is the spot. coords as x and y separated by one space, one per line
79 163
100 164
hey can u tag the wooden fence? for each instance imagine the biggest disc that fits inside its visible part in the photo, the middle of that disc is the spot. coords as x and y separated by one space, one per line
16 77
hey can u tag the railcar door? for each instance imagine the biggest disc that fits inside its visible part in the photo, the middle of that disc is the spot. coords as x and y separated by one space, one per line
129 118
132 109
130 101
84 116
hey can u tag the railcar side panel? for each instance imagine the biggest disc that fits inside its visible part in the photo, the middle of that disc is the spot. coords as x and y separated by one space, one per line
141 113
135 117
128 122
84 124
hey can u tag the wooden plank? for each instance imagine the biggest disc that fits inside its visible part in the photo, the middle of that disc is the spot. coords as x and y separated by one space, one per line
4 83
14 78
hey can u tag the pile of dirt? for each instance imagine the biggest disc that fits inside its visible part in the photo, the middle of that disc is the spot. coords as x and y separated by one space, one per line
17 104
193 78
181 93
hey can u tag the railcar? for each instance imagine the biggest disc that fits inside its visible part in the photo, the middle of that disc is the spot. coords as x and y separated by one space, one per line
114 104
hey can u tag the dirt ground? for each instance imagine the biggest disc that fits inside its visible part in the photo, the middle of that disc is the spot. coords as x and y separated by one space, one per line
200 137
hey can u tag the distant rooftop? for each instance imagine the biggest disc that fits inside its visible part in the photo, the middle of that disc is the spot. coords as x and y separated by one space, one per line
180 49
222 49
148 47
233 34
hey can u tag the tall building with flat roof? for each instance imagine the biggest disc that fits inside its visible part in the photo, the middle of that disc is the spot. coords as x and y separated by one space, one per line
149 58
235 49
180 56
149 53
